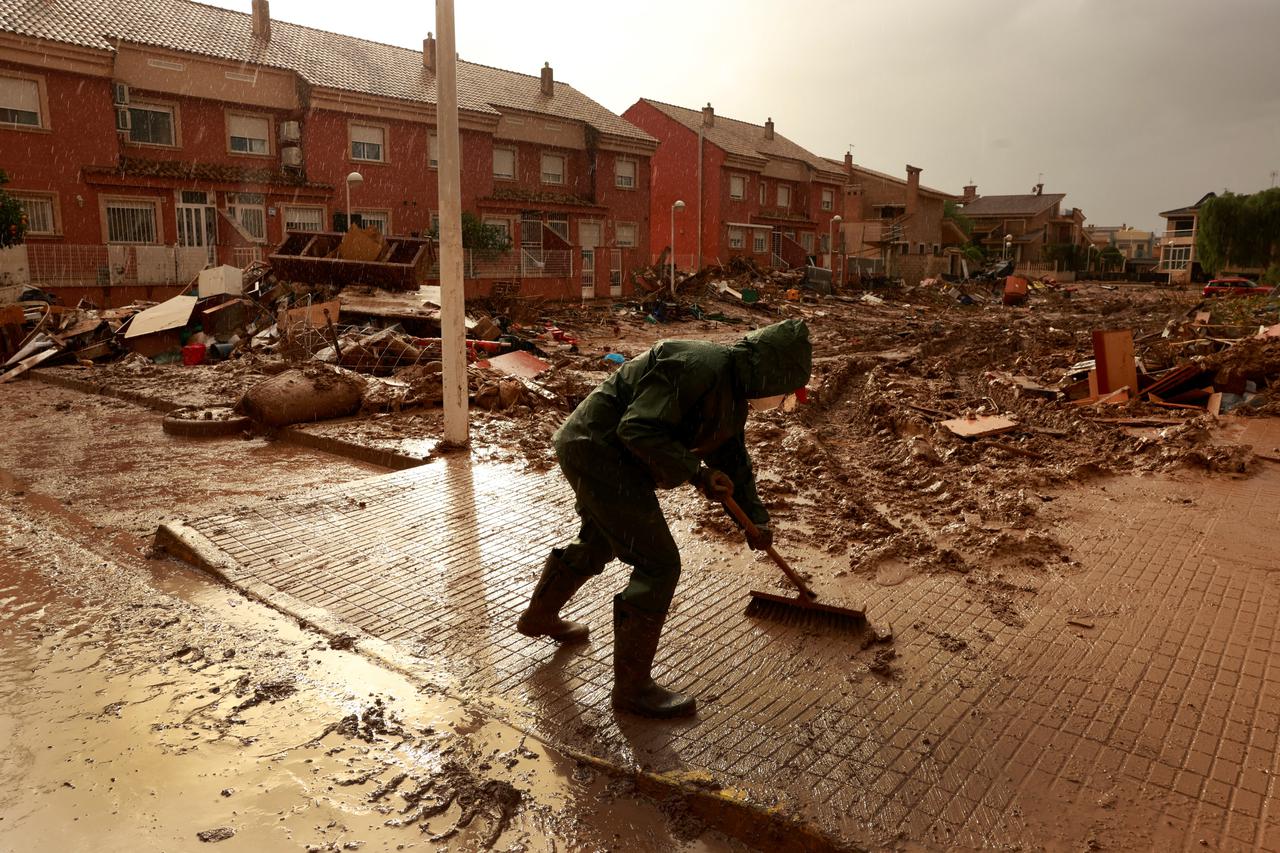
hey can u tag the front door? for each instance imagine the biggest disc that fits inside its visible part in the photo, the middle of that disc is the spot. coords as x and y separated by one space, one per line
589 238
197 222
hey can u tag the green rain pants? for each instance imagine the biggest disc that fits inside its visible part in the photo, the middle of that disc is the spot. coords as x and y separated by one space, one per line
618 506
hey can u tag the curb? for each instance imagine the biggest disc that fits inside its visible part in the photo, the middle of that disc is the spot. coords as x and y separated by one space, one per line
389 459
724 809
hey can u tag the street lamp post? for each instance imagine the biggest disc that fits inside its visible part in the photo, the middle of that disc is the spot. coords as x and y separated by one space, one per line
679 205
831 242
357 179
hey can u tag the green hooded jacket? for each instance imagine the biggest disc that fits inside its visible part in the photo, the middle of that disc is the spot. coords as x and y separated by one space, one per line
685 402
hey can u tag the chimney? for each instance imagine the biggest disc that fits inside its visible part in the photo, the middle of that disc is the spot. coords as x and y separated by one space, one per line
261 20
970 193
913 189
768 128
708 116
429 52
848 162
1039 189
548 80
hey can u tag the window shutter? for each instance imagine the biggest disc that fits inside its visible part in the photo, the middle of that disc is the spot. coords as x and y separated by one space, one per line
249 127
363 133
21 95
504 162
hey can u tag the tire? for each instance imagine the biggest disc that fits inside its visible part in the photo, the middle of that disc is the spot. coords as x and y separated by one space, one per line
204 422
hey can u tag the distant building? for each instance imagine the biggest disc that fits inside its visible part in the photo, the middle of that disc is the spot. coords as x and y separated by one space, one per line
747 189
1133 243
1178 246
896 225
1032 222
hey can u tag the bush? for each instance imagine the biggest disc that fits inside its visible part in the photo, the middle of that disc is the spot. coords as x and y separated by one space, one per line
13 220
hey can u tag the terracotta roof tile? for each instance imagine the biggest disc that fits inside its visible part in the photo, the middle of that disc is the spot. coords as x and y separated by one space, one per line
1012 205
747 140
213 172
321 58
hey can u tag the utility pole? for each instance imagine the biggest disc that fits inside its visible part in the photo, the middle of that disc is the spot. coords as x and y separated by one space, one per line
452 304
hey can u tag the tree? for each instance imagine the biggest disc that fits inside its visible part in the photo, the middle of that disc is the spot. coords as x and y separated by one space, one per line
13 219
488 241
1239 231
951 210
1112 258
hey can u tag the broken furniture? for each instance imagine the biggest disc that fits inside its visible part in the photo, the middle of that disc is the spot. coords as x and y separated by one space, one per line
400 263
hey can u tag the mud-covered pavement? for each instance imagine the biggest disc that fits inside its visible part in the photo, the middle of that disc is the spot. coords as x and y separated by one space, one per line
146 707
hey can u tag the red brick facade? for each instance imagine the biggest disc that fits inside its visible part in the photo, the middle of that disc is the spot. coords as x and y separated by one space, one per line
739 210
98 186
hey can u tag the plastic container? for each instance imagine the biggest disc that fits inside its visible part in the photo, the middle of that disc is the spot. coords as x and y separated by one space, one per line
193 354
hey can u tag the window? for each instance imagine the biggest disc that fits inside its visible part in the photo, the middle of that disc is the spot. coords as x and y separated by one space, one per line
937 249
759 241
151 124
764 193
304 219
625 234
379 219
249 134
784 196
828 199
504 164
806 240
735 238
552 169
249 211
920 248
368 142
824 243
433 151
503 225
39 211
20 102
624 174
131 222
737 187
559 227
1176 257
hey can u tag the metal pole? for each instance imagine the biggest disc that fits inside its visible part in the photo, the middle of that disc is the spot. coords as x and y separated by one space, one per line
452 304
673 251
348 183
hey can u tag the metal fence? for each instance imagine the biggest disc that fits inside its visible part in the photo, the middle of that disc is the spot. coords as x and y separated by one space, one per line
518 263
62 264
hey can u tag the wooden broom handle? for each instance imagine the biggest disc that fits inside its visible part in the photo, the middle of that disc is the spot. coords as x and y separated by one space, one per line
754 532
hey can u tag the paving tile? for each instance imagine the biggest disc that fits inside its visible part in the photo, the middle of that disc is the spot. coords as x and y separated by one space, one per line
1170 699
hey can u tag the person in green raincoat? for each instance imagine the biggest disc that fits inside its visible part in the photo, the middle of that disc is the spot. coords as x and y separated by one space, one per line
672 416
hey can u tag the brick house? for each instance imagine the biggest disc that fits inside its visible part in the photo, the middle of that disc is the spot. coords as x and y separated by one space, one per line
1032 221
147 139
1178 246
748 190
896 226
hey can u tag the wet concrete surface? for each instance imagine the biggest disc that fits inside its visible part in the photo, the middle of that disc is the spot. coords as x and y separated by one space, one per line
1123 699
146 707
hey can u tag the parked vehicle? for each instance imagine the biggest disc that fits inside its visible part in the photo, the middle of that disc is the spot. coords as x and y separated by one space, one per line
1235 286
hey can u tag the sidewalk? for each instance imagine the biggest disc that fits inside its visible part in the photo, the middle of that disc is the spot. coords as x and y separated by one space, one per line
1132 700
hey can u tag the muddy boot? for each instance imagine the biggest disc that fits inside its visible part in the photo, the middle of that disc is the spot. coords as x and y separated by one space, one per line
542 618
635 642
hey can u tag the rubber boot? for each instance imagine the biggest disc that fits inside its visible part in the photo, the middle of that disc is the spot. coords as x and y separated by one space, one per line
635 642
542 618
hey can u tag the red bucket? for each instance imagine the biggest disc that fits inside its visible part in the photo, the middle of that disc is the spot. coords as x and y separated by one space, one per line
193 354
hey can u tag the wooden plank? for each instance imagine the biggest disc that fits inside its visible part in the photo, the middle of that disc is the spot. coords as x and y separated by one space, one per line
28 363
1120 395
980 426
1113 354
1174 378
1215 403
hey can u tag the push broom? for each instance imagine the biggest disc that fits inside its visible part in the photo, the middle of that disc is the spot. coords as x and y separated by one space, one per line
804 606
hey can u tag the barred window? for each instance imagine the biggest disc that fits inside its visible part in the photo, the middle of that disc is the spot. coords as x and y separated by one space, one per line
131 222
39 212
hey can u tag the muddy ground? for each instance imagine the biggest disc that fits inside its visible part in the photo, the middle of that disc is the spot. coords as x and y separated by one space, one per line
865 471
147 708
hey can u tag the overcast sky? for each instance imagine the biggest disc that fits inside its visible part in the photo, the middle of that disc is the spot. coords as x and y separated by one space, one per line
1129 107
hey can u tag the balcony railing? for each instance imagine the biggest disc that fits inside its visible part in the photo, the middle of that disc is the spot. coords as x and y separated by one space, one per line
66 264
1181 232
